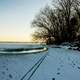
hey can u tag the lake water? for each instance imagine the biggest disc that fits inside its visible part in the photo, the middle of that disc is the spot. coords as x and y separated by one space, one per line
19 48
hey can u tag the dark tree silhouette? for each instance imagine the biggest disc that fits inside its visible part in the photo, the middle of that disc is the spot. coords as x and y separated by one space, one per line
59 24
68 9
45 22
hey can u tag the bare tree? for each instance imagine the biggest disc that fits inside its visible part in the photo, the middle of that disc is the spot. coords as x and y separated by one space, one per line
68 9
45 22
60 23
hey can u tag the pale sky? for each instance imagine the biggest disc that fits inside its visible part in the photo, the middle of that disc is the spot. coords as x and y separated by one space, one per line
16 16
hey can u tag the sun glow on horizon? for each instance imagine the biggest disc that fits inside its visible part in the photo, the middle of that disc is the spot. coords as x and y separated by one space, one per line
16 17
15 39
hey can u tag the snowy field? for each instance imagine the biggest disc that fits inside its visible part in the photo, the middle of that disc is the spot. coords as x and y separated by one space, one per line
54 64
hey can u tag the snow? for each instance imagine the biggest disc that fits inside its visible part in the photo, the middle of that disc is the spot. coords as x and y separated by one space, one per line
59 64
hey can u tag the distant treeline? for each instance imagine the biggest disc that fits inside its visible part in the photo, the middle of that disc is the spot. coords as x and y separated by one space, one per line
59 22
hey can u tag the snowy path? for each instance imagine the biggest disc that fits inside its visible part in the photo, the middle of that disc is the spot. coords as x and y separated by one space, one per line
60 64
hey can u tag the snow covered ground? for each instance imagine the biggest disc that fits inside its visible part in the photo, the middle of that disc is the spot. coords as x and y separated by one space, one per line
59 64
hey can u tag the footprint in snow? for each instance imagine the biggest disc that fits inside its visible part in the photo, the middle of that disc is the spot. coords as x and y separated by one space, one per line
3 73
10 76
53 78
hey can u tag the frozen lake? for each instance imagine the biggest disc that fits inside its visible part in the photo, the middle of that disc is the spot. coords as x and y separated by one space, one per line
54 64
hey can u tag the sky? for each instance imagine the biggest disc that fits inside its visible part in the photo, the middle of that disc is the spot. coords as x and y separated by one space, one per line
16 17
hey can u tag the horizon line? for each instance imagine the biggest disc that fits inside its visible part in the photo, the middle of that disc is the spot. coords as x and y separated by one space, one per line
18 42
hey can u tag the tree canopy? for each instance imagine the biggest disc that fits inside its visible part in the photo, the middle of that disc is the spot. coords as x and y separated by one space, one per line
58 24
